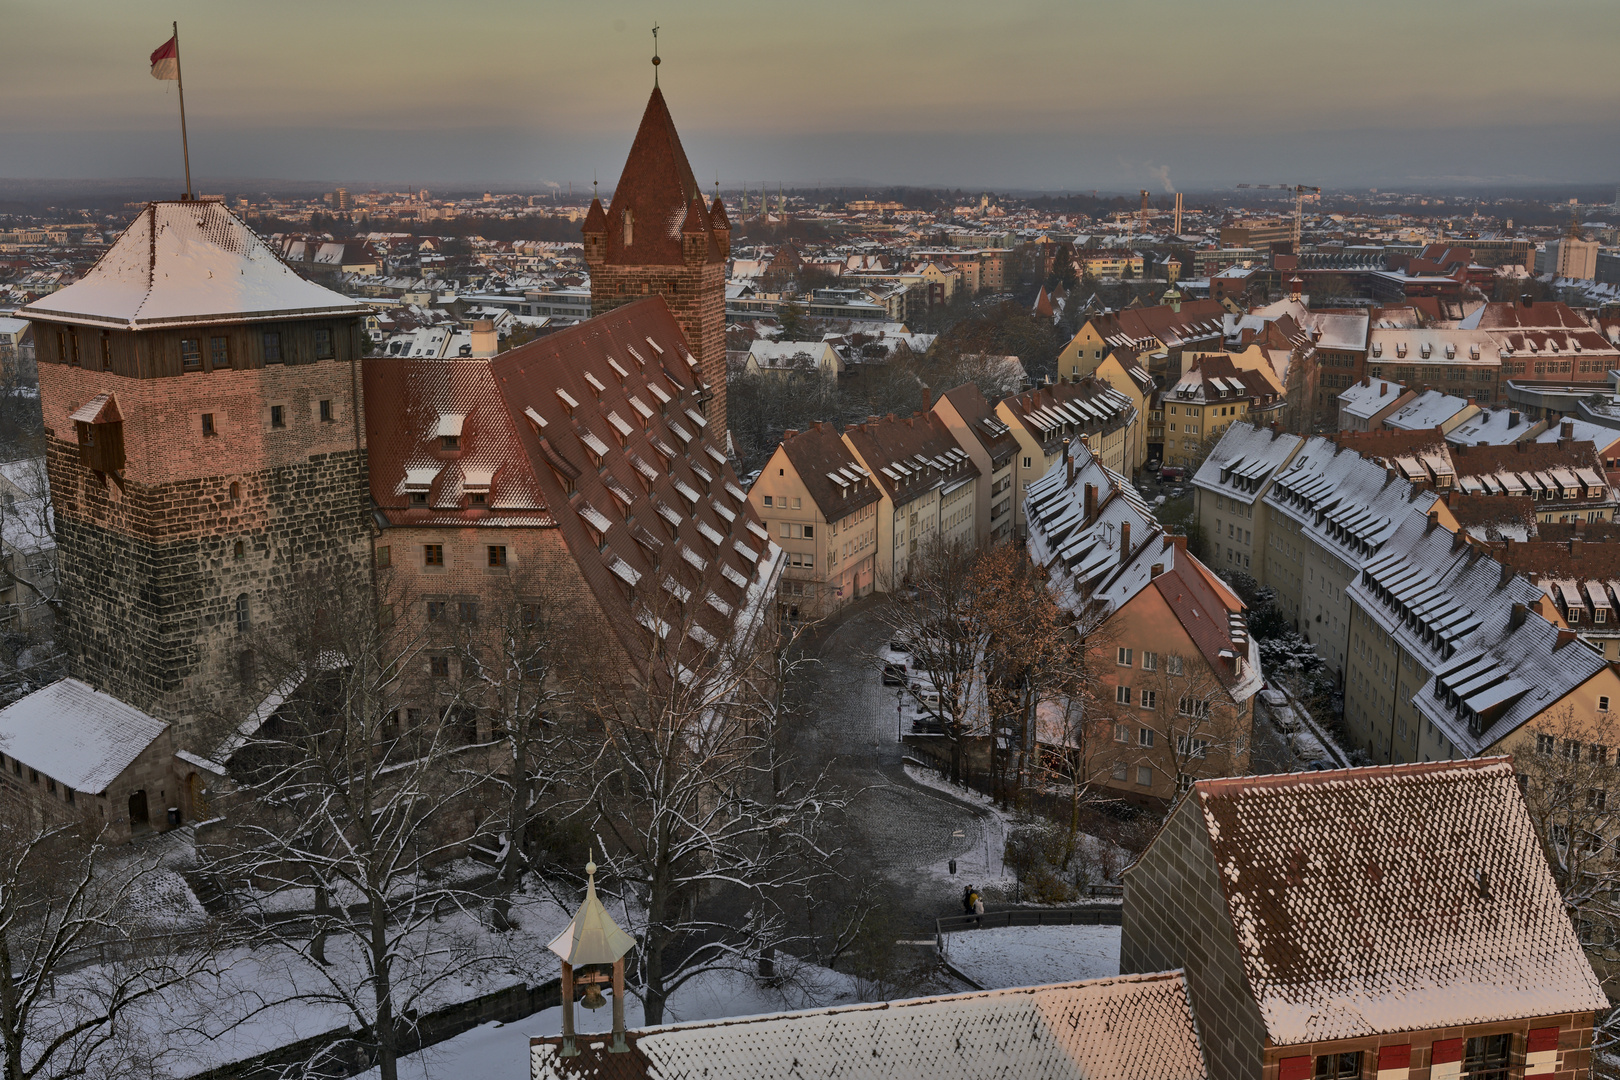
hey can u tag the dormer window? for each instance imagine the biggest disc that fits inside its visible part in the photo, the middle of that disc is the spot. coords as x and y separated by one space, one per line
450 442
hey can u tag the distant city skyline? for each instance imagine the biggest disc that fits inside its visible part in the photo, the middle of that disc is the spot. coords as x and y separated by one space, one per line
1166 94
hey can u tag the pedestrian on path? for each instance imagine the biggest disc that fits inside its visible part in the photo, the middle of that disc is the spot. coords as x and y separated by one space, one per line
978 909
967 899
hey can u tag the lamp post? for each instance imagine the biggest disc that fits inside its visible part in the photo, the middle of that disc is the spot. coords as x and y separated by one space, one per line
899 707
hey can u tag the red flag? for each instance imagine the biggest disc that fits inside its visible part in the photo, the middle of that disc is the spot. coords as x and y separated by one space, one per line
166 61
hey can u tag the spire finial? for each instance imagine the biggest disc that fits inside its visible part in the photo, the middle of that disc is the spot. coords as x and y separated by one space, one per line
656 61
593 183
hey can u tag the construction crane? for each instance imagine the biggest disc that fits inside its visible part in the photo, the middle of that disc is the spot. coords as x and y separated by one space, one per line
1299 191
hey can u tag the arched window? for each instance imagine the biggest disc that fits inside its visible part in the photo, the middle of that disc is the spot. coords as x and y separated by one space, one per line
238 549
242 613
236 491
629 224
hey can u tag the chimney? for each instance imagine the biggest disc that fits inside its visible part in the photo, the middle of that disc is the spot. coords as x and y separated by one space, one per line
1506 575
1522 448
790 433
1520 613
485 344
1565 636
1566 431
928 397
1158 568
1124 540
1383 389
1091 502
1069 463
1434 520
1513 418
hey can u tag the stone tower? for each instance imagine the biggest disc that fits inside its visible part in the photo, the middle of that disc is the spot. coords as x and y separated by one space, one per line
205 450
658 236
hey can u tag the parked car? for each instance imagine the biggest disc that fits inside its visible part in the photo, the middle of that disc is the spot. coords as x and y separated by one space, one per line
1172 472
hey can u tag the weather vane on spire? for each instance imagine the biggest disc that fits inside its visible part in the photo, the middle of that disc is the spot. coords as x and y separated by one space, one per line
656 61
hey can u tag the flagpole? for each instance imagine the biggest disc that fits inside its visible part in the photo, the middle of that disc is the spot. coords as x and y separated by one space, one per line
185 148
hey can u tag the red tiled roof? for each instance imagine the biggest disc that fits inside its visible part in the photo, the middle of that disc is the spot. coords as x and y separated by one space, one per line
1203 614
819 451
890 441
600 407
1395 898
659 193
980 417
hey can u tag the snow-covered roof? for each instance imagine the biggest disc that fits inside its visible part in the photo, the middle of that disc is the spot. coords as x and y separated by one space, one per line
1133 1027
1242 464
76 735
1427 411
181 263
1369 396
1396 898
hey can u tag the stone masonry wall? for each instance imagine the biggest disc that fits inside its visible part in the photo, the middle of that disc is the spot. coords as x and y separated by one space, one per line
696 297
152 562
1175 917
154 621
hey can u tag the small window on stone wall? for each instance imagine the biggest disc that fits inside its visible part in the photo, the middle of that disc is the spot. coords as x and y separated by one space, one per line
208 424
242 613
238 549
236 491
326 410
384 557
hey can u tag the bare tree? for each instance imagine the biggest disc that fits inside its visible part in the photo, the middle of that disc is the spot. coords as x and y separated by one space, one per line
689 797
340 797
946 634
511 659
73 962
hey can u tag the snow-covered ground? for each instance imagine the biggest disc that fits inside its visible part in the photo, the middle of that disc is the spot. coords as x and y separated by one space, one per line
1034 955
501 1051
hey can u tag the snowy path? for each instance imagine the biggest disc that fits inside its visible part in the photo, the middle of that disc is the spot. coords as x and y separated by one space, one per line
903 829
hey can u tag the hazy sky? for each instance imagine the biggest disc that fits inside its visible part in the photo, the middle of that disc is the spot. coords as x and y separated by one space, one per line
1110 94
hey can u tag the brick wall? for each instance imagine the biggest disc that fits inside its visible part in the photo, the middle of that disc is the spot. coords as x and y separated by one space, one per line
1572 1059
1175 916
152 562
696 296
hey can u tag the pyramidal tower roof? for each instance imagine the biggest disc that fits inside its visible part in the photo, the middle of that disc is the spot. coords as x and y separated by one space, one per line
180 263
656 190
592 937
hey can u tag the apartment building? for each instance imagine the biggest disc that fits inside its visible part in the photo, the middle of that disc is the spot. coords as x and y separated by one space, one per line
927 488
1227 492
1330 512
1208 398
971 420
1179 669
1452 653
1366 403
821 505
1042 419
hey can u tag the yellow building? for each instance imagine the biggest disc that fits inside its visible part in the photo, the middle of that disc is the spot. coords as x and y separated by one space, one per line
821 506
1044 419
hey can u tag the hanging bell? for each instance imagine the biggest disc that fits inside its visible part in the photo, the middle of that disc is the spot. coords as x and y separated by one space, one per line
593 998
